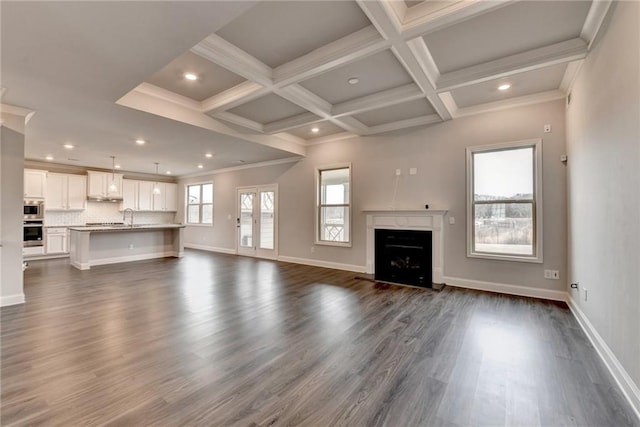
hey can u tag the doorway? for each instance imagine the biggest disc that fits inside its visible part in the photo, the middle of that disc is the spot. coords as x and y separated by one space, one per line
257 221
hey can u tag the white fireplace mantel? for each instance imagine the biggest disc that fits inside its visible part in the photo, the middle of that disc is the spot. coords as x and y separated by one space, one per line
408 219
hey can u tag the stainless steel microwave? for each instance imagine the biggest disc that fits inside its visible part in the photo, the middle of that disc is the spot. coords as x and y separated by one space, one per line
33 209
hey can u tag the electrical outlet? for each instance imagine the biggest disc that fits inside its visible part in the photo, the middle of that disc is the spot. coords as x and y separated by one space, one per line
552 274
130 246
547 128
452 220
398 172
313 249
413 171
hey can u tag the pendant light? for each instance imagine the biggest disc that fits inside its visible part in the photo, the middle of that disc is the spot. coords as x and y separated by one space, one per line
113 188
156 189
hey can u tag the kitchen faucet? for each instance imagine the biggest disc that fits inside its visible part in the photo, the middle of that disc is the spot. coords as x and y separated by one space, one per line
124 215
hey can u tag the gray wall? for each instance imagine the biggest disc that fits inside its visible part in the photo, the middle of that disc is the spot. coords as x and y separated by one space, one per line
439 154
11 196
603 133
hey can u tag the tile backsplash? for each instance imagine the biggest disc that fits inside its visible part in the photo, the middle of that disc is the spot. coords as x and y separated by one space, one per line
105 212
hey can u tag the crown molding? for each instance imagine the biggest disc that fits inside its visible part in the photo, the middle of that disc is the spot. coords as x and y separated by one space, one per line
570 74
558 53
331 138
595 19
520 101
167 95
243 167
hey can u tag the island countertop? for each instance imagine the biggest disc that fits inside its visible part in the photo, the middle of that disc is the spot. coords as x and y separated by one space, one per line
118 228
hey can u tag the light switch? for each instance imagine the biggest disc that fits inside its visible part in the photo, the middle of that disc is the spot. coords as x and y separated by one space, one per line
413 171
452 220
398 172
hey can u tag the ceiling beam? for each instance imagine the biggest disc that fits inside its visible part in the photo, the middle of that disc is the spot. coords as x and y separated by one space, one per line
381 99
558 53
350 48
403 124
239 120
232 97
385 20
221 52
291 123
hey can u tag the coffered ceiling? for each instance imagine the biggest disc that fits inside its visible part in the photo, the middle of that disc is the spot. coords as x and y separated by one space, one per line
281 75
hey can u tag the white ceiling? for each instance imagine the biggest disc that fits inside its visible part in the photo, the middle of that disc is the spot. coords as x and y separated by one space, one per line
101 74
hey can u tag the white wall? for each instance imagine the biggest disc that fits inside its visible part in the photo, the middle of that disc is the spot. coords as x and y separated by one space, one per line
603 134
439 154
11 215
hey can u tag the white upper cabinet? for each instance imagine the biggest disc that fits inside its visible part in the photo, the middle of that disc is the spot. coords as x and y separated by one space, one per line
34 183
99 182
65 192
138 195
167 200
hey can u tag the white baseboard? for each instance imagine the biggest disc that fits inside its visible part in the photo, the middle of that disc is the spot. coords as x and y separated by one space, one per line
325 264
210 248
626 384
140 257
11 300
504 288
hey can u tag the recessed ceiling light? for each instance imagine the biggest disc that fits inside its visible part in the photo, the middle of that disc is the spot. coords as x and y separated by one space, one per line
49 157
504 86
200 166
353 81
140 141
68 146
168 172
117 166
208 155
191 76
315 129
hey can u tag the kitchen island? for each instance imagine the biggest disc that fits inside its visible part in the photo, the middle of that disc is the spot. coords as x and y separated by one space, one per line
100 245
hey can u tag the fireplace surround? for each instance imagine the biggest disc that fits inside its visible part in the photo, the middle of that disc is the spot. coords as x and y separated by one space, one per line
408 219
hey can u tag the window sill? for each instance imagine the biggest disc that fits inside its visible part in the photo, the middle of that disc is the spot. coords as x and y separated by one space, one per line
198 225
513 258
337 244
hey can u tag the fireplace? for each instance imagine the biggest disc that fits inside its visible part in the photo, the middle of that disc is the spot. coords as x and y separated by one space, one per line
408 219
403 256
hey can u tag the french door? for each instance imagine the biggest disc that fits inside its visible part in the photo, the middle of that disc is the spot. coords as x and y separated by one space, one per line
257 221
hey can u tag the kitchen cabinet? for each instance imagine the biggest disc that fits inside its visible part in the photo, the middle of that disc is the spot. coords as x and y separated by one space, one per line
57 240
167 200
34 183
98 184
65 192
137 195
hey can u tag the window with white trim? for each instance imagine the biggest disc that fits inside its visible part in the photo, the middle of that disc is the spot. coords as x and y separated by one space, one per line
504 206
333 210
200 204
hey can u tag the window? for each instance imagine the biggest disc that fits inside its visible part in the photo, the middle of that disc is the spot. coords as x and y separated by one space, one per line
504 206
200 204
333 216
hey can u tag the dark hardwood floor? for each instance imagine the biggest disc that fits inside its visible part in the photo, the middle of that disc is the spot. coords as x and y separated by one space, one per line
221 340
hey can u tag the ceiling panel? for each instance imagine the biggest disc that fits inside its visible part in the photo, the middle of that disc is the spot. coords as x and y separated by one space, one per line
277 32
212 79
407 110
528 83
375 73
324 129
506 31
267 109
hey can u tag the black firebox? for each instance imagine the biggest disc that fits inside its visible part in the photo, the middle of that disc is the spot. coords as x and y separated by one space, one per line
403 256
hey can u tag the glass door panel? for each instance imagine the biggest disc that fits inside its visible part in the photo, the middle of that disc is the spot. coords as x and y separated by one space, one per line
246 220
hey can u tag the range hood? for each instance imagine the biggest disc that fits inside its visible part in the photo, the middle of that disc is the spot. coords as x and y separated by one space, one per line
112 199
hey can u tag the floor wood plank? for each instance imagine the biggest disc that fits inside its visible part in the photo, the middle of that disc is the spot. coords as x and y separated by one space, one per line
215 339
